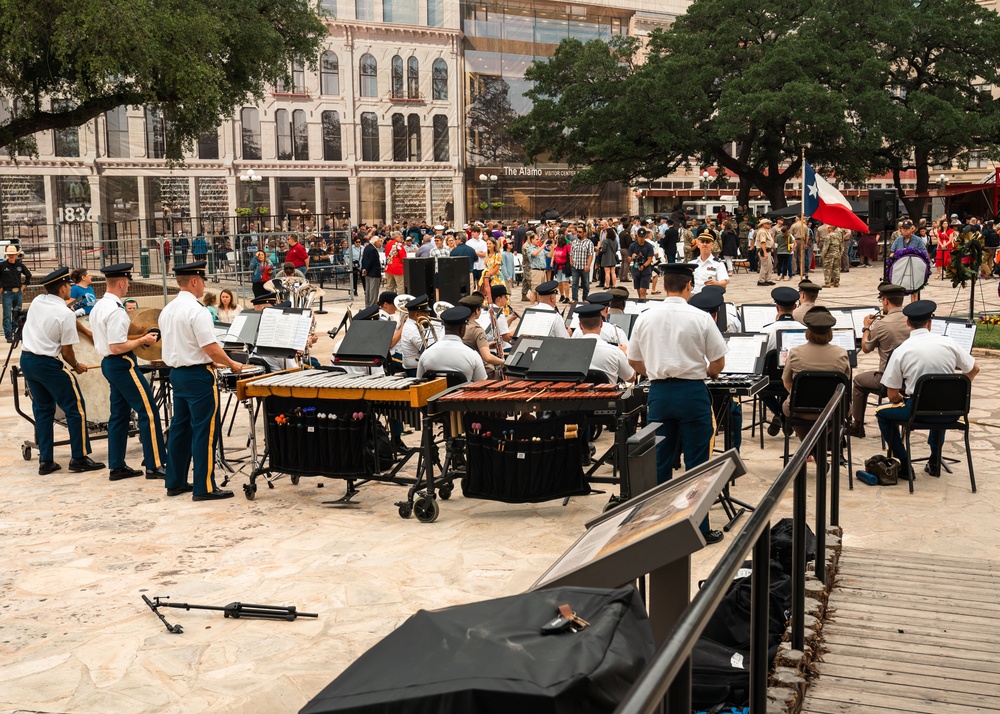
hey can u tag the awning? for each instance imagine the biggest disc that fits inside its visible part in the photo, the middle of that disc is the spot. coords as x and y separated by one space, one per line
957 189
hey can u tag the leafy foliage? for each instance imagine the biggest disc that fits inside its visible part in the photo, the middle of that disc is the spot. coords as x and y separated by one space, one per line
196 60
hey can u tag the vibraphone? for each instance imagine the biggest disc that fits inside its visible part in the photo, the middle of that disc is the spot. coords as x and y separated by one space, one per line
509 426
326 423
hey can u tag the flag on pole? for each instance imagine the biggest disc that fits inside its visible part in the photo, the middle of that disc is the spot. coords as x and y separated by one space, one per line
825 203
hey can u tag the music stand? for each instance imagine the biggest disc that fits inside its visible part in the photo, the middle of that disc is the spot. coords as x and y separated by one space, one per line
623 321
282 331
522 353
366 343
562 360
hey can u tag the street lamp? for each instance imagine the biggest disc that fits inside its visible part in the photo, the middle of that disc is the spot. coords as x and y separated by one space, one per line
251 180
942 182
489 182
704 185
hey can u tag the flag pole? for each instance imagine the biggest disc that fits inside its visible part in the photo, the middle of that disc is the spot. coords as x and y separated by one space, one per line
803 270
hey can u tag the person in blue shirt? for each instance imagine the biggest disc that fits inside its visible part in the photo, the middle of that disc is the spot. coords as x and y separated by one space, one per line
462 249
907 238
82 294
199 248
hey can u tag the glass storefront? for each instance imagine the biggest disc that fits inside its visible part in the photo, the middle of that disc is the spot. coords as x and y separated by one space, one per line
372 194
121 198
409 199
22 209
297 202
442 200
528 191
337 202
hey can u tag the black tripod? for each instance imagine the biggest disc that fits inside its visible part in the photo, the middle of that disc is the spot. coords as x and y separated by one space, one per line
18 316
235 610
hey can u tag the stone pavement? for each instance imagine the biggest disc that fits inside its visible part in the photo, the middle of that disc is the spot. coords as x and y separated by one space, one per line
79 552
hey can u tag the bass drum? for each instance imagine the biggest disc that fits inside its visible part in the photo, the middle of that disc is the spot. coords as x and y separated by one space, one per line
94 388
909 268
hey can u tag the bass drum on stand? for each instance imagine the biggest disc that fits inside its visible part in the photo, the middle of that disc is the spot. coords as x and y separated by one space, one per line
909 268
94 388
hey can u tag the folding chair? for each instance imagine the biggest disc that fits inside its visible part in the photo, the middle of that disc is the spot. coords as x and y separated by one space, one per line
941 402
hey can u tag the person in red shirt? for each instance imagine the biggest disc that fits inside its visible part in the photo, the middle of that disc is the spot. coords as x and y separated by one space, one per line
297 254
395 251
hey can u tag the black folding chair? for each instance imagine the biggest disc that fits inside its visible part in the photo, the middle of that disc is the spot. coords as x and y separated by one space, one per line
941 402
774 388
811 391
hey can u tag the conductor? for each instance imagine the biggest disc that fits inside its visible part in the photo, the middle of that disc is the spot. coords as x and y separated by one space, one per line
50 331
189 349
677 346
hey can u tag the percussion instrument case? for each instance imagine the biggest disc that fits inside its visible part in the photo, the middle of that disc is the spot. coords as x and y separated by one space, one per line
492 658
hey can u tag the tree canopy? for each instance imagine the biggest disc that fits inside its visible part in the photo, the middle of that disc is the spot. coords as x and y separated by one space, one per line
195 60
748 85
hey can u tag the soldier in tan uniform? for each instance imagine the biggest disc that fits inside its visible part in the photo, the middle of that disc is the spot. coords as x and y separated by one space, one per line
833 247
884 334
475 336
765 243
808 293
800 232
816 355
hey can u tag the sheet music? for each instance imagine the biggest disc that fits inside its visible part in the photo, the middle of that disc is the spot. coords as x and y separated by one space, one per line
281 330
233 335
756 316
787 339
635 308
963 334
574 322
858 314
844 337
536 323
938 327
744 354
845 320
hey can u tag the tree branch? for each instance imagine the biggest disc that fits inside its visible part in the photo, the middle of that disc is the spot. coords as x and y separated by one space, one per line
22 127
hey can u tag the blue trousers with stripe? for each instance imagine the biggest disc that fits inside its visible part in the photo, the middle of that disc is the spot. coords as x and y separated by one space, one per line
684 410
53 383
891 418
194 431
131 392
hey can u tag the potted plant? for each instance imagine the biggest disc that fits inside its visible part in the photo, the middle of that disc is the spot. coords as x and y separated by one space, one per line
482 206
497 205
242 211
262 210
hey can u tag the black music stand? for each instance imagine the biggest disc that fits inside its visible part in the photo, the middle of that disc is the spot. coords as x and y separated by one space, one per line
366 343
267 345
522 354
562 360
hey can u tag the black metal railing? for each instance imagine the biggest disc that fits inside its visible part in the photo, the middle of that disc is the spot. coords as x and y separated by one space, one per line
653 685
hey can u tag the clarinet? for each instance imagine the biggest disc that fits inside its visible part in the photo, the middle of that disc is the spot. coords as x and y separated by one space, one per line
497 339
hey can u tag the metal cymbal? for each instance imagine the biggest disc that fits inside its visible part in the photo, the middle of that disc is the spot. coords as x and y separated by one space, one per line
142 321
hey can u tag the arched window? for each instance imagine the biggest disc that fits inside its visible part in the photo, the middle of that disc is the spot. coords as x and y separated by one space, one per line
329 74
413 138
397 77
369 137
398 138
441 148
250 119
283 135
439 80
300 135
413 78
331 137
369 76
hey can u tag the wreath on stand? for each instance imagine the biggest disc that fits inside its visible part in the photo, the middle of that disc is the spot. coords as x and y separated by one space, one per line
966 258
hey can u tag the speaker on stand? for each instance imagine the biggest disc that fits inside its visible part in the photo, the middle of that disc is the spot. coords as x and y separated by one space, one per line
418 276
453 279
882 217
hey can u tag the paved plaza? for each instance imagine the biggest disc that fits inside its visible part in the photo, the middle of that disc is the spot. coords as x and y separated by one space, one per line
80 551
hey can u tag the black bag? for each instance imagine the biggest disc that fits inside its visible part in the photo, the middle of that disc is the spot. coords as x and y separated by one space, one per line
730 624
380 439
886 470
491 658
720 675
781 544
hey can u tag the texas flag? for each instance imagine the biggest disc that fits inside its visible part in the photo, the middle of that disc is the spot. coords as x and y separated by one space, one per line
825 203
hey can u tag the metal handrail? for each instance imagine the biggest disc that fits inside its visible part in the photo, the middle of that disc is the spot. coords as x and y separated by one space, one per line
648 692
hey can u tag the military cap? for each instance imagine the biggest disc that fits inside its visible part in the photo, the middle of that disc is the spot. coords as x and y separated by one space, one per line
57 275
549 287
589 310
819 319
707 300
456 315
386 296
921 310
891 289
265 299
196 268
368 313
685 269
120 270
602 298
473 302
498 291
418 303
786 297
808 286
619 292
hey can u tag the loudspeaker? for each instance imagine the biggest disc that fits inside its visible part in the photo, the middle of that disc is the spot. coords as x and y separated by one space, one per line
418 276
453 281
882 209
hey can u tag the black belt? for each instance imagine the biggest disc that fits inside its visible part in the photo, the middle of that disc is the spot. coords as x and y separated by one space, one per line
676 379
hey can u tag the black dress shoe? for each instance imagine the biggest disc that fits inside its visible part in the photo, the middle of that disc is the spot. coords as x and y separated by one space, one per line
119 474
47 467
932 469
159 473
85 464
856 430
774 427
213 496
713 537
186 488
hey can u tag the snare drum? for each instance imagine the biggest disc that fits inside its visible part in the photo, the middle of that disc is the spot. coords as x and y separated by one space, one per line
227 379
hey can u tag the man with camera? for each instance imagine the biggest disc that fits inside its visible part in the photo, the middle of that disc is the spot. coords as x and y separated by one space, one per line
14 275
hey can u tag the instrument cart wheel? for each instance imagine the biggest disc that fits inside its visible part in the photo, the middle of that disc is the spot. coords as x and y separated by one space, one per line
426 509
445 492
612 503
26 452
295 479
595 432
405 510
250 491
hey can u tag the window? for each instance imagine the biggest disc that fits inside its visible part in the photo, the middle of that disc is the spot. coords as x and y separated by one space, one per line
116 133
283 135
369 137
155 135
413 138
616 26
400 11
369 76
441 149
397 77
299 76
439 80
300 135
329 74
250 119
67 141
398 138
413 78
331 137
435 13
364 10
328 8
208 145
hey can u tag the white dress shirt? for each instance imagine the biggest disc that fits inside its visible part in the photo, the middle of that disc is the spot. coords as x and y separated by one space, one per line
110 322
49 326
710 269
924 353
610 333
185 328
676 340
609 359
451 354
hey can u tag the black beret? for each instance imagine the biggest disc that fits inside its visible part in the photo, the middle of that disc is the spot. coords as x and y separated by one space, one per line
498 291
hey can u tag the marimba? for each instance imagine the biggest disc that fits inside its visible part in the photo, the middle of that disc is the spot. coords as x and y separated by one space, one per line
323 423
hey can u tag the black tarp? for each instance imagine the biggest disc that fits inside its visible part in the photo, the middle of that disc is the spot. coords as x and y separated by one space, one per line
491 658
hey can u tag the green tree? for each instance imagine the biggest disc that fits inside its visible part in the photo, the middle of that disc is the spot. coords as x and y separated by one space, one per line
488 120
196 60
